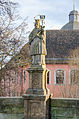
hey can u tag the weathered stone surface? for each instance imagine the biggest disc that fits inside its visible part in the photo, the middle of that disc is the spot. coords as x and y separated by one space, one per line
64 108
12 105
36 81
36 96
36 106
37 40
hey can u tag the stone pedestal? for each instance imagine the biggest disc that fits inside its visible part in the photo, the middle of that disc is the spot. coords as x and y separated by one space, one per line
35 107
36 97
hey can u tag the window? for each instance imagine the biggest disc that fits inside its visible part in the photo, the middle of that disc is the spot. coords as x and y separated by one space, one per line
74 76
20 77
17 93
12 92
17 77
59 76
24 77
20 93
49 77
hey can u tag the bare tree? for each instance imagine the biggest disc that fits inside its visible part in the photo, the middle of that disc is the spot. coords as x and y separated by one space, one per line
12 31
13 34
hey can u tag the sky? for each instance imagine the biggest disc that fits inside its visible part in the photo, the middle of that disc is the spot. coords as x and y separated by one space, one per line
56 11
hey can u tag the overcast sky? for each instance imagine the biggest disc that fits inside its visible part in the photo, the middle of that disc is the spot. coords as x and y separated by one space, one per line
56 11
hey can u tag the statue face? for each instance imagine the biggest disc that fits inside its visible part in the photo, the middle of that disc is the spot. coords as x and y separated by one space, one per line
37 23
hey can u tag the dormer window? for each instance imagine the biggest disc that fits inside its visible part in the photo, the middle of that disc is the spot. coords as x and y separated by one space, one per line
73 16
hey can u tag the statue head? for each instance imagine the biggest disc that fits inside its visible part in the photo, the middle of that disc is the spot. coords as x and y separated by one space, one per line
37 23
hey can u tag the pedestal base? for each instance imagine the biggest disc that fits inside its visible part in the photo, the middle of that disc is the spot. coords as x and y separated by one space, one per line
35 106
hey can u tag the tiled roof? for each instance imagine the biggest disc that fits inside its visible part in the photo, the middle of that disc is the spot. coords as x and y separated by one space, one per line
62 44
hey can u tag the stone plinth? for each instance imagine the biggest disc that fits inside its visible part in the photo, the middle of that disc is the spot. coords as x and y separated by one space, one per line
35 107
37 95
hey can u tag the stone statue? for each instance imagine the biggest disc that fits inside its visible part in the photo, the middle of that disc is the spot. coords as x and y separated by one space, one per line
37 95
37 40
